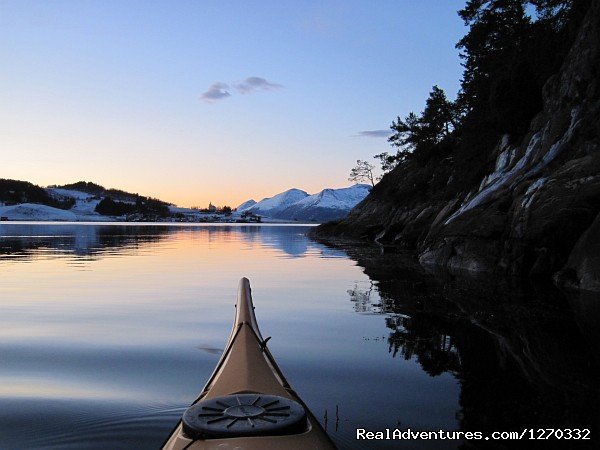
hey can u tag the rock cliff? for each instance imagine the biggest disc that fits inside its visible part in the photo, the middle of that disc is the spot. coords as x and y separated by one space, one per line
529 208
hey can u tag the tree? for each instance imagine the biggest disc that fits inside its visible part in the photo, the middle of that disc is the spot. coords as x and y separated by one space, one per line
418 135
439 116
387 161
407 134
109 207
363 171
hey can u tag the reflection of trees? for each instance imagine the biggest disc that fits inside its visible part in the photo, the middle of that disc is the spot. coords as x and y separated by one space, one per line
522 355
420 336
424 339
362 299
89 241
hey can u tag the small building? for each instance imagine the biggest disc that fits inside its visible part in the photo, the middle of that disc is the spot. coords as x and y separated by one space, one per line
211 208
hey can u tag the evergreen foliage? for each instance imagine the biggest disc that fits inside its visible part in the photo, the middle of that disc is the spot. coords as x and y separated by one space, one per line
145 206
116 194
108 207
15 191
418 135
511 50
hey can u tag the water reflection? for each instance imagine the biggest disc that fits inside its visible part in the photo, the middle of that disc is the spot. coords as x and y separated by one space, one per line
422 338
114 353
525 355
27 241
92 241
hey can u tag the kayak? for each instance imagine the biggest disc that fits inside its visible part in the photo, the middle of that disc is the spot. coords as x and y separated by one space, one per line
247 404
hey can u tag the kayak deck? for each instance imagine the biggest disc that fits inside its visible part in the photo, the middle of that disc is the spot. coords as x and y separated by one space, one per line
247 367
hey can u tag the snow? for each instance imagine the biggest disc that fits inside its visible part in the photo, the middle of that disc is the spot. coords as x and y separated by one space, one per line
78 195
503 176
344 198
557 147
32 211
246 205
295 204
85 203
278 202
497 180
182 210
530 193
504 157
319 206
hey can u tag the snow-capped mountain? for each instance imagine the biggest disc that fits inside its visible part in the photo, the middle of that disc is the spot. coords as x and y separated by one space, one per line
271 206
246 205
297 205
329 204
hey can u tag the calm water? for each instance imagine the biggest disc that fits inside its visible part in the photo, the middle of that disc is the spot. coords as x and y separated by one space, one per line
108 332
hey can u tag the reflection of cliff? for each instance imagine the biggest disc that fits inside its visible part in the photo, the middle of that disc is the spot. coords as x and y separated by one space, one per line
522 355
26 241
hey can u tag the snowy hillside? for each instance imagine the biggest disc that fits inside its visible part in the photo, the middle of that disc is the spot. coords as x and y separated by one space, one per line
329 204
297 205
344 198
84 203
271 206
246 205
89 202
33 211
83 209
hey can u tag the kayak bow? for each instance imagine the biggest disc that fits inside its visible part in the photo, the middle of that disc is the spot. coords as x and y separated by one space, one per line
247 404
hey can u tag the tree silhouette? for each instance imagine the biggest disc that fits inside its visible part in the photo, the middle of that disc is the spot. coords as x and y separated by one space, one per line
418 134
363 171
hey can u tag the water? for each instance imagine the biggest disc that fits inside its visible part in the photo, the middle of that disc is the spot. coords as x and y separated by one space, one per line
108 332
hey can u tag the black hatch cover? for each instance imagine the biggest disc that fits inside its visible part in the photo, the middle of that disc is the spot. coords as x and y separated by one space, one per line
243 415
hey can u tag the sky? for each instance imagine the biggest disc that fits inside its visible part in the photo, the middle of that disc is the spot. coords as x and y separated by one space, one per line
214 101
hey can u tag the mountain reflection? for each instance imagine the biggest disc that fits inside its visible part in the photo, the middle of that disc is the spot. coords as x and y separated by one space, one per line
94 241
525 355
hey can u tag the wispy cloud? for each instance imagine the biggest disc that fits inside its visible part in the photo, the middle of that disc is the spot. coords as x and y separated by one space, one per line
217 91
374 133
256 84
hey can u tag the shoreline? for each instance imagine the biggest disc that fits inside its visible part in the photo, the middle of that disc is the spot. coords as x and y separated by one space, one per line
165 223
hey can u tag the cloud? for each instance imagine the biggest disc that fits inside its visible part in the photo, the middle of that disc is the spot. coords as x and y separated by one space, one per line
255 84
217 91
374 133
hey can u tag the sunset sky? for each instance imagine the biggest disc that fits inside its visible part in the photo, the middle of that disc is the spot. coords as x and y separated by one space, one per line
222 101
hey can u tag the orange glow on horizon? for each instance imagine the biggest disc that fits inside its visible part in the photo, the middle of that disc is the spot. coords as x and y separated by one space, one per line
194 193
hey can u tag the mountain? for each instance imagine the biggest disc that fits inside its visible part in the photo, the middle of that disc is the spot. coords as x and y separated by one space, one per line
329 204
525 205
297 205
271 206
246 205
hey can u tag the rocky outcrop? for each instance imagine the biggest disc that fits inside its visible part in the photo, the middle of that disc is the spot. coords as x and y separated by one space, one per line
532 209
582 270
